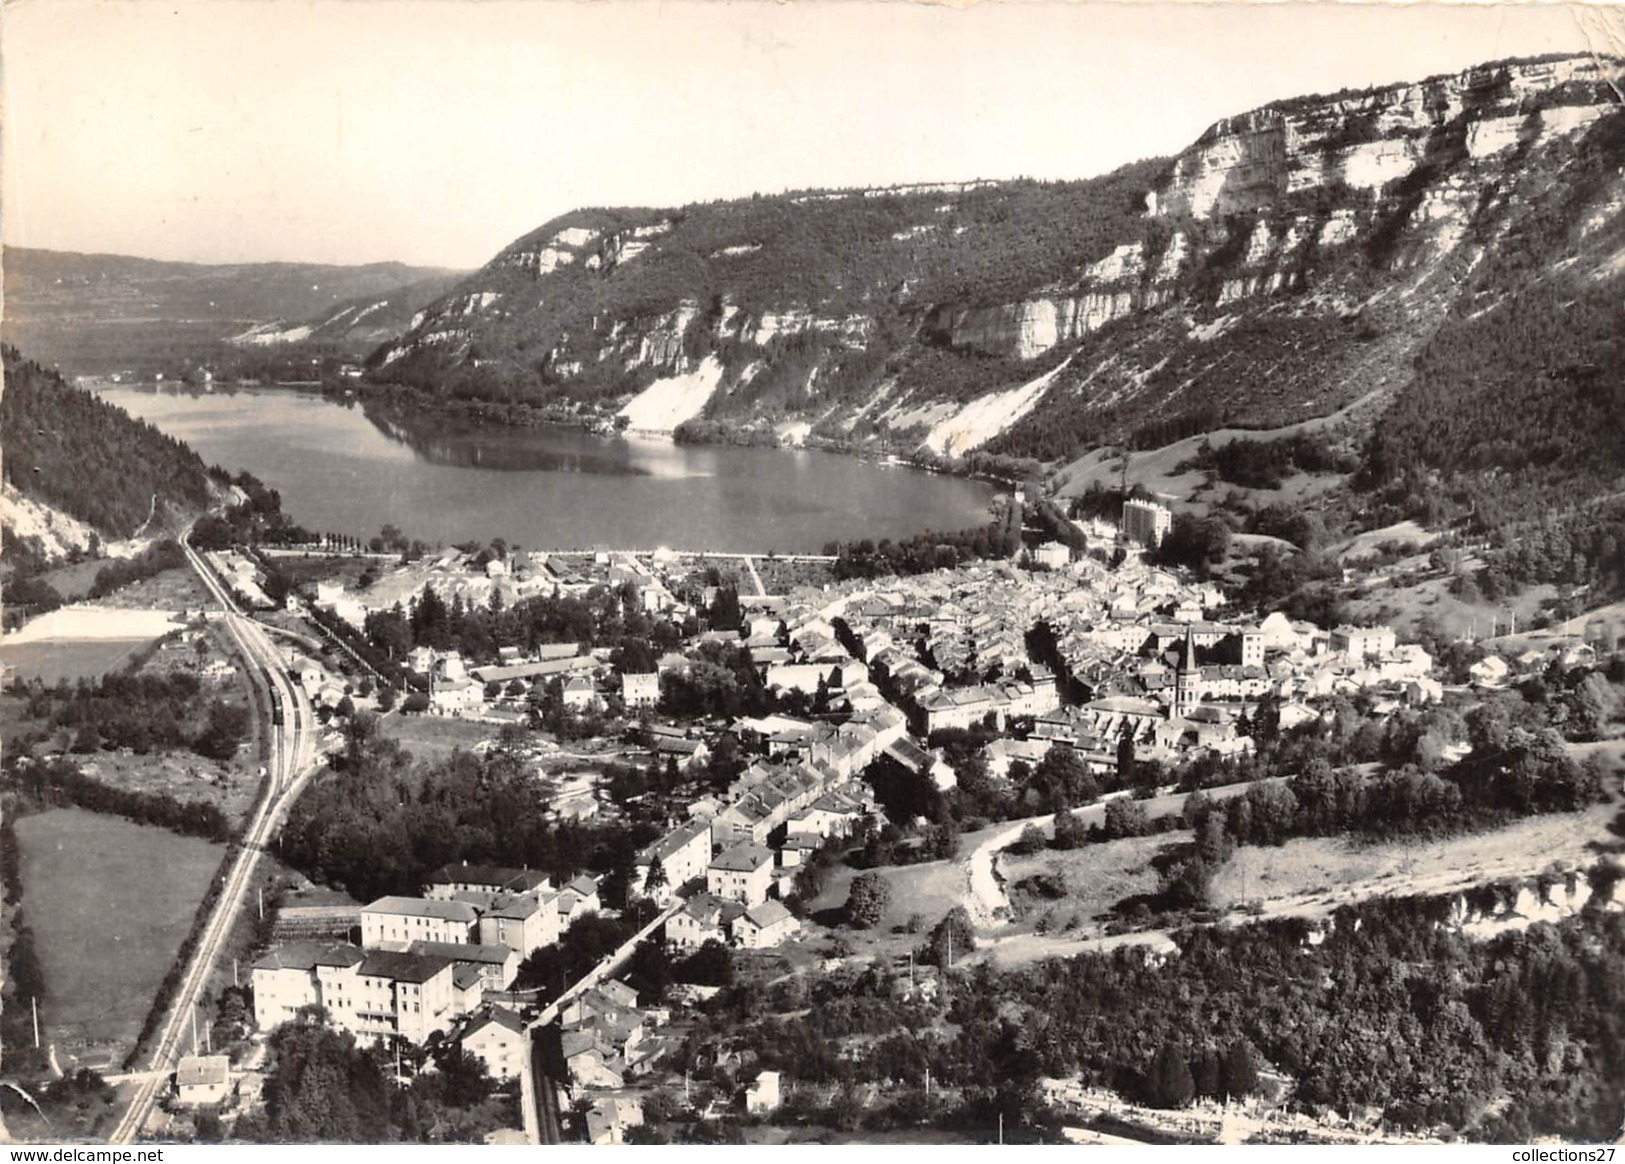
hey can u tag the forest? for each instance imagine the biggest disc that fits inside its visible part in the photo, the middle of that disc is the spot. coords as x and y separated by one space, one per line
322 1089
90 459
142 712
1394 1011
379 823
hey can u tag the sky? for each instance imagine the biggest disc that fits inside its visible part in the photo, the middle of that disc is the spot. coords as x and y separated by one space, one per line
435 132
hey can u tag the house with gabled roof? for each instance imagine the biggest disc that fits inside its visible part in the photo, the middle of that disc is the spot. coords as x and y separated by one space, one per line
704 918
765 925
202 1079
577 899
742 873
498 1039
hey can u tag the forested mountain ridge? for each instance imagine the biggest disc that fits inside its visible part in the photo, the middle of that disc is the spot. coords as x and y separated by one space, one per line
358 324
64 450
106 313
1293 260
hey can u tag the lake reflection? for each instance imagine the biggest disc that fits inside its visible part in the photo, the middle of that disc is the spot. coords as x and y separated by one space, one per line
341 470
470 445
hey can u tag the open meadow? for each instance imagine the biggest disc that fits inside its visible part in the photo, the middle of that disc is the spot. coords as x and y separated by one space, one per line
109 902
434 737
54 660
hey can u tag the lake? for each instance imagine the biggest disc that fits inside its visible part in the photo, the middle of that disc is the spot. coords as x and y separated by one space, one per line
342 469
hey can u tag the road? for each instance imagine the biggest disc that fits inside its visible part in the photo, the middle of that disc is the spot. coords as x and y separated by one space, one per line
292 757
539 1097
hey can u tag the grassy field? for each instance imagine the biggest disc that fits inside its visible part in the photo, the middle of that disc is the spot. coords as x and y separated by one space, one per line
1095 877
434 737
177 589
109 902
55 660
1310 876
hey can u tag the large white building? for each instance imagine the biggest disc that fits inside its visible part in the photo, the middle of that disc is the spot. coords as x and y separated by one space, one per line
1363 642
1146 522
376 994
398 920
683 855
743 873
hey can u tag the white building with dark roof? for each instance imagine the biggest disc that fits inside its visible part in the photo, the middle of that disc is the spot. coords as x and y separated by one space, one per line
400 920
743 873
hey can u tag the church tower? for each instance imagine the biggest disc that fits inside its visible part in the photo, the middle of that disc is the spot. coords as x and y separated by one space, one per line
1188 679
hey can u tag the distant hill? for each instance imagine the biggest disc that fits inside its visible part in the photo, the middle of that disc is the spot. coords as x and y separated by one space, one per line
1406 249
105 313
356 325
65 451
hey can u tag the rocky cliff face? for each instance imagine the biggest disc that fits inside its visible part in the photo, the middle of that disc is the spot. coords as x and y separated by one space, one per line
1289 262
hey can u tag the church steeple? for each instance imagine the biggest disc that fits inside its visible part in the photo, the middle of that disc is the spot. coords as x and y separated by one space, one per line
1186 692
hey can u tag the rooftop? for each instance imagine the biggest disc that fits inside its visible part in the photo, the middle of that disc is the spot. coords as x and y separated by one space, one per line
308 955
743 859
457 911
472 952
202 1070
402 967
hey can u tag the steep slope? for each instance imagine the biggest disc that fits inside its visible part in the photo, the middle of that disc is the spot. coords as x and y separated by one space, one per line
98 313
1293 260
356 325
74 464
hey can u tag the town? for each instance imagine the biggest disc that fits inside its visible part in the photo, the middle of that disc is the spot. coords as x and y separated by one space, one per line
763 735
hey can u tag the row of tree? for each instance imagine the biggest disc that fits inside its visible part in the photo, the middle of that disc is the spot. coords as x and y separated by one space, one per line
58 781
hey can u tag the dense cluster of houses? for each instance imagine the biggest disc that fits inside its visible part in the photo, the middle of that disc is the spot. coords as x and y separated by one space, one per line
1137 646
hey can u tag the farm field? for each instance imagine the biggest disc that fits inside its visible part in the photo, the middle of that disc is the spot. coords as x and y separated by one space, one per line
110 903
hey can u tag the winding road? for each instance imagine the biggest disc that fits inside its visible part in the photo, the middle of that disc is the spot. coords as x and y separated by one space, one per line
292 761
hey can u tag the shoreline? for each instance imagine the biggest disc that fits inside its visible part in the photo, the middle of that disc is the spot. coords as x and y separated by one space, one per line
88 622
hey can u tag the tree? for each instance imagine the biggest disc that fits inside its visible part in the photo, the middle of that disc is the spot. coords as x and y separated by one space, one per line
953 937
1062 780
1125 818
463 1078
867 901
655 880
1125 758
1590 705
1170 1084
1032 840
1239 1075
1069 831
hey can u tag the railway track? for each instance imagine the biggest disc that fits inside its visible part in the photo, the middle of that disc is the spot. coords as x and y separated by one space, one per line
291 762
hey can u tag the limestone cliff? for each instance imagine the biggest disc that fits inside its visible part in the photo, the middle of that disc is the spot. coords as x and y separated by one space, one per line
1292 260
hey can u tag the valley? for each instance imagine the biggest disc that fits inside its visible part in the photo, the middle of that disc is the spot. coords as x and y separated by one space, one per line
849 663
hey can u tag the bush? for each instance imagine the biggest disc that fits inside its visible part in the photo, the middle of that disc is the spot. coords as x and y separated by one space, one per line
867 901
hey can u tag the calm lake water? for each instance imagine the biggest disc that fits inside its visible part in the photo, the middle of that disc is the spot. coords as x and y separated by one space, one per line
342 470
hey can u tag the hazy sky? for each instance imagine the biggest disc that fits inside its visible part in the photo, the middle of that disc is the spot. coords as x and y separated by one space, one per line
437 132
